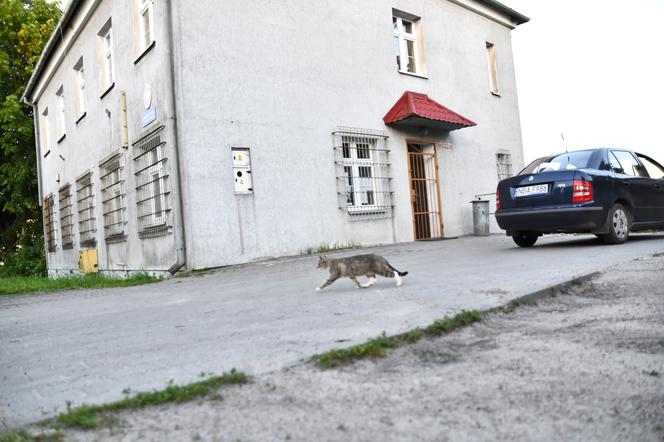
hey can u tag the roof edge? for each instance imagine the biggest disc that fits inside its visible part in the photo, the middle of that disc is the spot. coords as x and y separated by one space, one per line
50 46
517 16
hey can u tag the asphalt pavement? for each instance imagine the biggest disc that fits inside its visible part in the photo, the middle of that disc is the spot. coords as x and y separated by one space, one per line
87 346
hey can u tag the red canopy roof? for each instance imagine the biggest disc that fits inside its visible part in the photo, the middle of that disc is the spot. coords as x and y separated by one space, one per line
414 109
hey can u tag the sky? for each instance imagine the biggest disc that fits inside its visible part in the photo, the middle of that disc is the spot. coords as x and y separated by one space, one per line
592 70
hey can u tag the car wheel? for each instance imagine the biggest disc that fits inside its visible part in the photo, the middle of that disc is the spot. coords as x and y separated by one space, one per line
525 239
618 225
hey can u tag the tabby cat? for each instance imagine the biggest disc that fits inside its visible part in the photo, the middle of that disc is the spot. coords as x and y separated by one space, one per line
360 265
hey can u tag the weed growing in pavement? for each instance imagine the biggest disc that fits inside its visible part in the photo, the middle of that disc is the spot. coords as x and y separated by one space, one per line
378 347
25 436
91 416
324 248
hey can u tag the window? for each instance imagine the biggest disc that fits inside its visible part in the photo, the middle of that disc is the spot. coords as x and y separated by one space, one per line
493 69
407 40
106 74
145 23
654 169
113 198
66 218
152 186
79 73
61 113
363 172
86 212
624 163
504 165
49 222
564 161
46 146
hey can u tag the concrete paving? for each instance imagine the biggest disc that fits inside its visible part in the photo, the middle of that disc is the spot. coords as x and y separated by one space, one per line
87 346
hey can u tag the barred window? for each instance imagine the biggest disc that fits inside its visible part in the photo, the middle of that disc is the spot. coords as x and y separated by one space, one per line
86 210
363 173
49 222
113 198
152 186
504 165
66 218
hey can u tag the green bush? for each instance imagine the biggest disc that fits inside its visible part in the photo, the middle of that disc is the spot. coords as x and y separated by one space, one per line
27 260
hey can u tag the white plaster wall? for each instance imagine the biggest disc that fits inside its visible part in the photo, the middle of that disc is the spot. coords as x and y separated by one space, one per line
279 77
97 135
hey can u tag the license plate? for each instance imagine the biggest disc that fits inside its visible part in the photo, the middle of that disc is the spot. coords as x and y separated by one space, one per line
537 189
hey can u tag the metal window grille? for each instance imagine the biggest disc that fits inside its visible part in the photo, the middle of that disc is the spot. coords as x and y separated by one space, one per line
49 222
364 184
113 198
86 210
66 218
504 165
152 187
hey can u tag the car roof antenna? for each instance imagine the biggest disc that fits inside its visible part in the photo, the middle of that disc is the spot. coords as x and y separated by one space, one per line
564 145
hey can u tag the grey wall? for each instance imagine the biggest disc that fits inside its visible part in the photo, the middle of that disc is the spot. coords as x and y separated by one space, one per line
97 135
279 77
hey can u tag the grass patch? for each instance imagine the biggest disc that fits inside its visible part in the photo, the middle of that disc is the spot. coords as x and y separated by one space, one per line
91 416
14 285
24 436
379 347
324 248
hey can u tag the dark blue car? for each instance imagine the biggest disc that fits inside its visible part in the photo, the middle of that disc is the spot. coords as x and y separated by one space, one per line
608 192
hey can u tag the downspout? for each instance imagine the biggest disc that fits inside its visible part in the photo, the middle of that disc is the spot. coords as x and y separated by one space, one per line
178 218
40 198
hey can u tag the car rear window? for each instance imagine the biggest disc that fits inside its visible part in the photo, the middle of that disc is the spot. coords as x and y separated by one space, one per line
564 161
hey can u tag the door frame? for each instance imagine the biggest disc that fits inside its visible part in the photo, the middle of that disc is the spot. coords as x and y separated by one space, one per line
437 179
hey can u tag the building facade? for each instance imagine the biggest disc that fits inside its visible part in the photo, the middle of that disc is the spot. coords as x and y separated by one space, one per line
174 137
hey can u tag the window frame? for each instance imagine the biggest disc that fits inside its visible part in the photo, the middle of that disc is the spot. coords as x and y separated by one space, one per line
152 181
80 84
356 163
646 161
85 206
113 197
401 37
107 71
145 8
637 168
494 84
60 116
66 216
50 223
504 172
44 132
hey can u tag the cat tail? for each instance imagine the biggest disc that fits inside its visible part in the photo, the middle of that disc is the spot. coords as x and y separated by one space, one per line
400 273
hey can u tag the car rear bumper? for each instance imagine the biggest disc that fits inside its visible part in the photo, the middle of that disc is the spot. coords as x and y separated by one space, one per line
552 220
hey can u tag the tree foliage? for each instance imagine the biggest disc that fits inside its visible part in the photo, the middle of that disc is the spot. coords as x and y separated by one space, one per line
25 26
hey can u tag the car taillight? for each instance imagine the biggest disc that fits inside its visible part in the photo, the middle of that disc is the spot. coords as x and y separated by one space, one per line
582 191
497 199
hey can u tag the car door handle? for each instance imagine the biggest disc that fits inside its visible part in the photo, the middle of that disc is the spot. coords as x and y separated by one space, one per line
626 183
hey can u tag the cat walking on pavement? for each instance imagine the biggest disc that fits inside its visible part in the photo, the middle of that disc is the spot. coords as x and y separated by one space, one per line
359 265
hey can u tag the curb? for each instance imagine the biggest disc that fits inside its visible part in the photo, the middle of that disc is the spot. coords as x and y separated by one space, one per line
548 292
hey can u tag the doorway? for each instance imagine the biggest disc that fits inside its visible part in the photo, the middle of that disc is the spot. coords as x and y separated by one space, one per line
425 191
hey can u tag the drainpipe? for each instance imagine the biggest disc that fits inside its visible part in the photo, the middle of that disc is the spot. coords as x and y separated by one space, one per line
124 132
40 198
178 218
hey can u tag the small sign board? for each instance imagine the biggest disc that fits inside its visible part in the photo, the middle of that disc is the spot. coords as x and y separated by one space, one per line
149 116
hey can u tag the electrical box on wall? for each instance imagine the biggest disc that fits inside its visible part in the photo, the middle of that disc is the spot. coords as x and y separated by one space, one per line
242 170
87 261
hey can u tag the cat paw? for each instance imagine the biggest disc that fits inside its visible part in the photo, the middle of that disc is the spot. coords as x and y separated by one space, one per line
318 289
